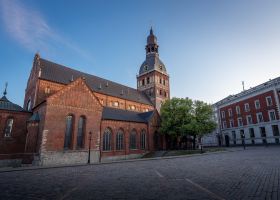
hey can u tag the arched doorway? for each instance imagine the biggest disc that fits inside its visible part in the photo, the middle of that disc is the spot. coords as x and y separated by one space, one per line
227 140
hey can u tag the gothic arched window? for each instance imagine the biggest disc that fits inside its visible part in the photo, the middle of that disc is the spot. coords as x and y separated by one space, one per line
143 139
133 139
81 132
107 135
9 127
28 105
68 132
120 140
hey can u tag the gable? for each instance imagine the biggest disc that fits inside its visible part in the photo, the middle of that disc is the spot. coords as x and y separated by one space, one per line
76 94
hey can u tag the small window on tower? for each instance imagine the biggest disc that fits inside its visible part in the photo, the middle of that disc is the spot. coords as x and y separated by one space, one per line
163 81
153 49
143 81
146 68
160 67
160 80
148 80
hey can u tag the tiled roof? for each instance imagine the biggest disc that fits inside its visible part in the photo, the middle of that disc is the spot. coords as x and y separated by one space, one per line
5 104
61 74
125 115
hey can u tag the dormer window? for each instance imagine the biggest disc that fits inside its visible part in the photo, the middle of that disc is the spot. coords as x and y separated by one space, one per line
160 67
47 90
116 104
146 67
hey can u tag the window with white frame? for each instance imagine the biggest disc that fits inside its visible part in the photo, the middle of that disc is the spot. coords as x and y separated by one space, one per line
223 114
230 112
249 119
272 115
240 122
231 124
260 117
224 124
237 108
246 107
268 101
257 104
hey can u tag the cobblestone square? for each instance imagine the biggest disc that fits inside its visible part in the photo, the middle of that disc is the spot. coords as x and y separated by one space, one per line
237 174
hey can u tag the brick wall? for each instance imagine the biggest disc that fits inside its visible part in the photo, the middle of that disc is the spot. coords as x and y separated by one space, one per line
253 111
15 143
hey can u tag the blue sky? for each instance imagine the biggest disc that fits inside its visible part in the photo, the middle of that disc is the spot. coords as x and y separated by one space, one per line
208 47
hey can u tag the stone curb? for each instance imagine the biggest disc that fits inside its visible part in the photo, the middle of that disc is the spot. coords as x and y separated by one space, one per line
118 161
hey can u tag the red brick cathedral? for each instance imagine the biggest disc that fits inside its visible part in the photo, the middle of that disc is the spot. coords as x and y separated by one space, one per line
67 112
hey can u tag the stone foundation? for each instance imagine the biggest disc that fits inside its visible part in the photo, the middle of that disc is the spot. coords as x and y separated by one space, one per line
121 157
68 158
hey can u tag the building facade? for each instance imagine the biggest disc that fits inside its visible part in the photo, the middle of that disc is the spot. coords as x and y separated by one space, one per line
251 117
69 112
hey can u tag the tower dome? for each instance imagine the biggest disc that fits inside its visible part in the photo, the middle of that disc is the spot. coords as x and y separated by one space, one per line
152 61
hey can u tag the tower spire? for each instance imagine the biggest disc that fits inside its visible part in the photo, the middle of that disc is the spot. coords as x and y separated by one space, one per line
151 31
5 91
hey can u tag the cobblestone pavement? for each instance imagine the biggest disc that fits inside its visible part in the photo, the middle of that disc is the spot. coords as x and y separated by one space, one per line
249 174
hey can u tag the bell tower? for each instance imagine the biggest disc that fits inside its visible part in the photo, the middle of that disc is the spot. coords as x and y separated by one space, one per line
153 78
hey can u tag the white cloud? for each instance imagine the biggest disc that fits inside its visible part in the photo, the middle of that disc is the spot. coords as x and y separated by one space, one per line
31 30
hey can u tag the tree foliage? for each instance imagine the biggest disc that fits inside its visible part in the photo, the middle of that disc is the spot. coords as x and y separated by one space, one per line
181 117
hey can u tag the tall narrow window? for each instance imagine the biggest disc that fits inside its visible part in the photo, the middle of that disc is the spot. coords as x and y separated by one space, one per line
224 124
223 114
260 117
68 132
119 140
272 115
252 135
240 121
81 132
237 108
133 139
263 134
275 131
107 140
268 101
249 119
28 105
9 127
143 139
230 112
246 107
257 104
234 137
231 124
148 80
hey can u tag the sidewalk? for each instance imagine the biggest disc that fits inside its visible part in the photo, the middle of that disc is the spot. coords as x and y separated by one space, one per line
228 149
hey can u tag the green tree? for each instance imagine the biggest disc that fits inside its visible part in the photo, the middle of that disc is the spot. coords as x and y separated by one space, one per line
184 117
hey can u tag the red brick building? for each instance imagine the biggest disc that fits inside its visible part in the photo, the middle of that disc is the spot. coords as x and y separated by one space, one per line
251 116
68 111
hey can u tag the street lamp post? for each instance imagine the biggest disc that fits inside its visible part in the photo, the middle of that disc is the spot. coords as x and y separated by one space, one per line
90 134
243 140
